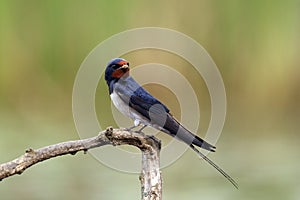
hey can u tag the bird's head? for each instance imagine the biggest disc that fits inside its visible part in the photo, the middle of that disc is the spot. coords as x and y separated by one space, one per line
116 69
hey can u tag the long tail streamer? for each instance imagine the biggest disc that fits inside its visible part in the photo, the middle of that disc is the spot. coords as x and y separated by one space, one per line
216 167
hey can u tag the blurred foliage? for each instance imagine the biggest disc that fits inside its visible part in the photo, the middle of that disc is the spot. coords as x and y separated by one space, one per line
254 43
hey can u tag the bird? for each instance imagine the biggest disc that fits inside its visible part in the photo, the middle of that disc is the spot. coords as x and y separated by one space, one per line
133 101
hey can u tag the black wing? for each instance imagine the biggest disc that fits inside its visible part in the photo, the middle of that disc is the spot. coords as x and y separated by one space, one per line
147 105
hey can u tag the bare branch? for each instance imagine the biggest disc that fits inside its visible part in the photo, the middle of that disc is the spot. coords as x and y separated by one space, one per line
150 146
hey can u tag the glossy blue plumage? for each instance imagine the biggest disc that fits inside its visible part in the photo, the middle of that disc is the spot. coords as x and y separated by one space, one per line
135 102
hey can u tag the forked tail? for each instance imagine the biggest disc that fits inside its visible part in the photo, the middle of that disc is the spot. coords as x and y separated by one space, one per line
216 167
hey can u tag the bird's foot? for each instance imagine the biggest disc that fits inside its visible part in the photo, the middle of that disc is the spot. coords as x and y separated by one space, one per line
141 130
130 128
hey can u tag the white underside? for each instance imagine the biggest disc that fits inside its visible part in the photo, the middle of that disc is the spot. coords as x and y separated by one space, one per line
126 110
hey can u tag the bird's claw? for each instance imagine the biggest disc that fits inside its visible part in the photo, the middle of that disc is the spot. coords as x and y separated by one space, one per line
140 131
130 128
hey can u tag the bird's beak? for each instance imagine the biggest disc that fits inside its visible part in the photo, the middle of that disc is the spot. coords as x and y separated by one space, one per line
125 66
121 71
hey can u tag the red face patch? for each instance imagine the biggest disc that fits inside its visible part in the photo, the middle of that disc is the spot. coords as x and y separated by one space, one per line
120 72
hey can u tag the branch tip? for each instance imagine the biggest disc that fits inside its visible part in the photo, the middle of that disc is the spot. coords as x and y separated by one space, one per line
149 145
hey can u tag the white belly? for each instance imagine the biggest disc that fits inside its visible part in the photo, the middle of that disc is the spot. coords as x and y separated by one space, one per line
126 110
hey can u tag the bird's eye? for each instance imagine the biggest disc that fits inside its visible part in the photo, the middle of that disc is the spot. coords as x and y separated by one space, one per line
115 66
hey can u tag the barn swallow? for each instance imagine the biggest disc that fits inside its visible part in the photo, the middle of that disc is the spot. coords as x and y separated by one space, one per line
135 102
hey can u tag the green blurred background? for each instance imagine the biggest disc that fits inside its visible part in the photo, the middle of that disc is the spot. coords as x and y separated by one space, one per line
255 44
